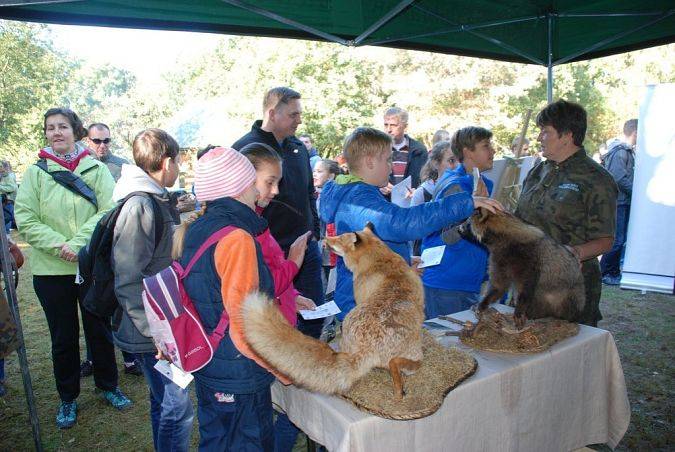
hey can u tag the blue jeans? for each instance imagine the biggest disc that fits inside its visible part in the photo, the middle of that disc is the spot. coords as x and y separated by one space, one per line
234 422
308 283
610 263
170 408
443 302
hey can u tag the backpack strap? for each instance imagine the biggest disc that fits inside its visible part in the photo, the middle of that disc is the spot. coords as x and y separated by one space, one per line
212 240
70 181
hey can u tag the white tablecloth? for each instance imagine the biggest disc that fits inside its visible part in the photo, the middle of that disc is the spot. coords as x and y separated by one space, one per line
560 400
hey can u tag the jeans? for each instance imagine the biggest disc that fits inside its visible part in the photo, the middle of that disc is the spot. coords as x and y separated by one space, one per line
443 302
8 210
610 263
309 284
171 411
234 422
59 297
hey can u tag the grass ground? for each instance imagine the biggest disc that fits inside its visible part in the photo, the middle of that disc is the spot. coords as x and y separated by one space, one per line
642 325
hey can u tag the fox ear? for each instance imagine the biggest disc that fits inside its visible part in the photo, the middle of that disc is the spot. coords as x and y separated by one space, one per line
370 227
483 214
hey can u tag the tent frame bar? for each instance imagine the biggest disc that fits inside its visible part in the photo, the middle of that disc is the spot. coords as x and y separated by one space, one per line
395 11
455 29
33 2
494 41
287 21
597 45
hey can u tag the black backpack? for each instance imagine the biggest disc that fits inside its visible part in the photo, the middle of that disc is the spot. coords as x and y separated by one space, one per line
95 261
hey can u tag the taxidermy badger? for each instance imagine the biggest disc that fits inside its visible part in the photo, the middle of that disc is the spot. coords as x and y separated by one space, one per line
383 330
546 276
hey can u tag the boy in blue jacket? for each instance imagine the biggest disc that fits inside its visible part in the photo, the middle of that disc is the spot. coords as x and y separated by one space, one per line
454 284
355 199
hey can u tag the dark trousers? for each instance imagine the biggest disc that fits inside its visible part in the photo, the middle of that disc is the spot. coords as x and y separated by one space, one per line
308 283
234 422
59 297
8 210
610 264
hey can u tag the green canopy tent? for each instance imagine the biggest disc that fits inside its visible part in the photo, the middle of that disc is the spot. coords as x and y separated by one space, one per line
544 32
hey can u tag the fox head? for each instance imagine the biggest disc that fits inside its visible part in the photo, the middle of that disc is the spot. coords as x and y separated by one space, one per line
352 245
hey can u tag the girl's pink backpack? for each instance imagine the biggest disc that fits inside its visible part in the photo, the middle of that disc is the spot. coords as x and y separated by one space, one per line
173 320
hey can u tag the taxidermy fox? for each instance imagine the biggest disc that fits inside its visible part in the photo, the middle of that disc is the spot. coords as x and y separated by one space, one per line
383 330
546 276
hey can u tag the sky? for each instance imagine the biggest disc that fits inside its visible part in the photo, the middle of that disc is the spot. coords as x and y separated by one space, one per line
146 53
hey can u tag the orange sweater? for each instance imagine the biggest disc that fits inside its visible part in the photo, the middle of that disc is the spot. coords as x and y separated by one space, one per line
237 266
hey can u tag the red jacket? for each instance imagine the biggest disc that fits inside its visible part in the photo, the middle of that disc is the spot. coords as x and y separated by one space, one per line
283 272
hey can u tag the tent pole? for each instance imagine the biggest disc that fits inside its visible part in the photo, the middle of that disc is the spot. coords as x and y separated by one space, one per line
383 20
287 21
549 78
10 290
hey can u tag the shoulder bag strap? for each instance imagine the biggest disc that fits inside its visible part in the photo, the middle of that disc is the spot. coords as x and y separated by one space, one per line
70 181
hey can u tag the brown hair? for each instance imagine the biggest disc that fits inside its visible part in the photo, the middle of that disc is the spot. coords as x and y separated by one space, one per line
565 117
430 168
279 95
364 142
259 153
151 147
79 131
468 137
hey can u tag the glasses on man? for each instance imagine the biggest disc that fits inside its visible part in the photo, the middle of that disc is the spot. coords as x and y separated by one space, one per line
99 141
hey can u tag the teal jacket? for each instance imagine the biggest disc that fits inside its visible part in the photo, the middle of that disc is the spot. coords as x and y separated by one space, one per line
48 214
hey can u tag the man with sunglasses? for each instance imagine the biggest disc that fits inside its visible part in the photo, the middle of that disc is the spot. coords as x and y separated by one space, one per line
98 140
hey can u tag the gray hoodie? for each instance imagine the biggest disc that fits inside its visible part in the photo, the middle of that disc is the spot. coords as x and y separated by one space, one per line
136 256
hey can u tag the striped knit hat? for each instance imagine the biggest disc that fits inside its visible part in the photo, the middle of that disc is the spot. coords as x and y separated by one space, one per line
222 172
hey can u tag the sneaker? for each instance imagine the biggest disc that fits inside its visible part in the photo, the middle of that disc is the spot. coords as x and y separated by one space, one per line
133 368
67 415
117 399
611 280
86 369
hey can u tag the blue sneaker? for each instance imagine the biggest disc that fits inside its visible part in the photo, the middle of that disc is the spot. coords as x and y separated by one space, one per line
117 399
67 414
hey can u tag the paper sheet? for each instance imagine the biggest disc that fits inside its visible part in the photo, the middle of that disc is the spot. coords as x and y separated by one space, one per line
432 256
476 178
320 312
399 192
173 373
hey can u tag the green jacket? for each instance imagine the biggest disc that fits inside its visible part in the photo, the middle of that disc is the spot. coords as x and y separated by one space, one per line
8 186
48 214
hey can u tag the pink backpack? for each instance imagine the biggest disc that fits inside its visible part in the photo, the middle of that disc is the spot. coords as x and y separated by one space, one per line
173 319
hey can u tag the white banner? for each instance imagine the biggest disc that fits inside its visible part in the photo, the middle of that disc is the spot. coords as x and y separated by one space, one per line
650 248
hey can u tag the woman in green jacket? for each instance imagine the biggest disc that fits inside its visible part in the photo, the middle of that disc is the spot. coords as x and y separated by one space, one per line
57 221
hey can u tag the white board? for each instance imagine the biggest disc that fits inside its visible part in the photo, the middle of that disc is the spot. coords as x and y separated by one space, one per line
649 262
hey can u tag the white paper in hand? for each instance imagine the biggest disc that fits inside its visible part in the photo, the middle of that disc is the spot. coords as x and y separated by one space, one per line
476 178
173 373
320 312
399 192
432 256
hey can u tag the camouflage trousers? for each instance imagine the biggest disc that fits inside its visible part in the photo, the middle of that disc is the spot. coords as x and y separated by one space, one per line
590 269
9 340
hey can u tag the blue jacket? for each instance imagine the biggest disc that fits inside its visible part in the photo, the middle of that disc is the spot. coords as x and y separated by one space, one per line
464 263
350 206
229 371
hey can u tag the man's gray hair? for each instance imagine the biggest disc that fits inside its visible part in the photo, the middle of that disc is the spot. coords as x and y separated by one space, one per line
398 112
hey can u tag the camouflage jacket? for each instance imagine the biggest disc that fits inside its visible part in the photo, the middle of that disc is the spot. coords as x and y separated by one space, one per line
573 201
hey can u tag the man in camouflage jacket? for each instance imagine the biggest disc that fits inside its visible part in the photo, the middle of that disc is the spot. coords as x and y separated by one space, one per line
571 197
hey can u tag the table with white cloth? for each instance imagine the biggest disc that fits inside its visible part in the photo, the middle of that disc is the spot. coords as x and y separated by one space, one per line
565 398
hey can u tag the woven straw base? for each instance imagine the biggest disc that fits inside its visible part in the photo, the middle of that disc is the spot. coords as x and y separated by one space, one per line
442 370
537 336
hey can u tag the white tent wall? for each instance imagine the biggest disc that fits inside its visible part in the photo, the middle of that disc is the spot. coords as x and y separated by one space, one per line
650 249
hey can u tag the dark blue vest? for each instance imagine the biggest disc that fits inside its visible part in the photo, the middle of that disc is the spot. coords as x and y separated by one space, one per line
229 371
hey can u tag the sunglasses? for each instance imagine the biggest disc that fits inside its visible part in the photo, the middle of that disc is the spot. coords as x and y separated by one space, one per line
99 141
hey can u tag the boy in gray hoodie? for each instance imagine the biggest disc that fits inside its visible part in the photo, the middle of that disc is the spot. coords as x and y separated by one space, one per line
135 255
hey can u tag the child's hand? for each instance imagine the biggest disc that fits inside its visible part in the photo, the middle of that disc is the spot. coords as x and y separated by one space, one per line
386 190
492 205
161 356
296 252
415 261
304 303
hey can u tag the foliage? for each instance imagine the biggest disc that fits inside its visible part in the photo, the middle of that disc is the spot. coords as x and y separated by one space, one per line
31 78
